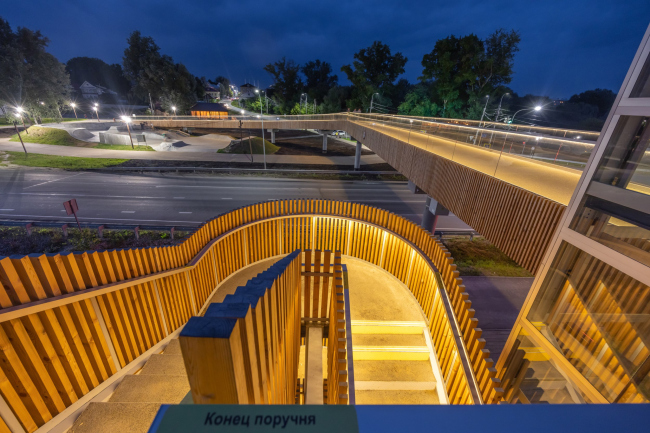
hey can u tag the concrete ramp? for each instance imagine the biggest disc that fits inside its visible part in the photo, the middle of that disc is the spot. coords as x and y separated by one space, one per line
84 135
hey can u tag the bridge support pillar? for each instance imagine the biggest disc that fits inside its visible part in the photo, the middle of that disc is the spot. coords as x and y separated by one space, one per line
325 143
272 131
432 210
357 156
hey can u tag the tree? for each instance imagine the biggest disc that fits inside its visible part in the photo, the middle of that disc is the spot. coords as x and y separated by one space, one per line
374 70
603 99
224 86
336 99
157 75
97 72
286 82
318 79
30 77
418 102
465 69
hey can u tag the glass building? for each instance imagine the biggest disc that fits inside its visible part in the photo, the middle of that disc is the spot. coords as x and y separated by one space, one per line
583 335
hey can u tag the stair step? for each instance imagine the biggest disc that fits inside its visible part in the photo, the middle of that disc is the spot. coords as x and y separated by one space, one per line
376 353
151 389
115 417
386 327
393 370
395 340
168 365
393 385
173 348
396 397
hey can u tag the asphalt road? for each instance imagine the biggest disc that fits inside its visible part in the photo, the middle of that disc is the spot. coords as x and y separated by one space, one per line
150 199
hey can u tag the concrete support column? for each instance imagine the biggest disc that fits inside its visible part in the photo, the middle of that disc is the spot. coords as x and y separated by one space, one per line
272 131
357 157
325 143
432 211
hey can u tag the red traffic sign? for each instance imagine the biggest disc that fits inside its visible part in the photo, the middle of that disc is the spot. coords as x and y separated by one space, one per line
71 206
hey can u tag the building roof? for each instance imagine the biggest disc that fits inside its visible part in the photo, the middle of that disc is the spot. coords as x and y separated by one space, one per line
208 106
247 85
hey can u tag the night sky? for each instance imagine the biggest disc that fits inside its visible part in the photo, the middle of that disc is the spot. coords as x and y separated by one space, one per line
567 46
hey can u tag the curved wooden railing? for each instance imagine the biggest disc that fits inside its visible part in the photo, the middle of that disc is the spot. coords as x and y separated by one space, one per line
70 321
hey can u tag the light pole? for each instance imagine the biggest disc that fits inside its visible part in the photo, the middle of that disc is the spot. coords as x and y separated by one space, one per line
73 105
127 120
484 108
19 111
262 118
536 108
19 137
174 110
496 119
372 98
96 108
409 139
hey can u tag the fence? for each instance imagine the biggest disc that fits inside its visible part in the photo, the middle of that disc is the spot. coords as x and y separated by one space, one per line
70 321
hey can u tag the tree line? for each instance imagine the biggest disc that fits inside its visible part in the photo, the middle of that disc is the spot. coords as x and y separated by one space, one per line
462 77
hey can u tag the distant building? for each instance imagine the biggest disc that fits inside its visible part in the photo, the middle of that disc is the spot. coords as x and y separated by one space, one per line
92 91
212 92
209 109
247 91
558 101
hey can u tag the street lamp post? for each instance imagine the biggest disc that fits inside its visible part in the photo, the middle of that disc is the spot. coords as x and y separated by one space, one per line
174 110
127 120
496 119
19 137
484 108
19 112
411 128
536 108
73 105
262 118
372 98
96 108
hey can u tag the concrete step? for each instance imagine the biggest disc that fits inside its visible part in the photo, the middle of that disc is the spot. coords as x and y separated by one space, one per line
173 348
396 397
393 340
379 353
168 365
386 327
393 371
115 417
151 389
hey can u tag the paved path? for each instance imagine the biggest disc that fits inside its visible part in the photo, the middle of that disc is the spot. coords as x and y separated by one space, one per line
86 152
151 199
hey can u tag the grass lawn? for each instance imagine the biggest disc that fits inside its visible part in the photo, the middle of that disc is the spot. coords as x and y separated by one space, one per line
480 257
244 147
66 162
57 137
123 147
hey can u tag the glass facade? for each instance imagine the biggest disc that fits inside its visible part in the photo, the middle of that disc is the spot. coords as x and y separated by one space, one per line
642 87
599 319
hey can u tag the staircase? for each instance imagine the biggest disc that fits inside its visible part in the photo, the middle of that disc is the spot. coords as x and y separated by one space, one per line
135 402
392 363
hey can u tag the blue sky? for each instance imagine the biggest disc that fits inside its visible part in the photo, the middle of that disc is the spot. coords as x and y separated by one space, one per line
567 46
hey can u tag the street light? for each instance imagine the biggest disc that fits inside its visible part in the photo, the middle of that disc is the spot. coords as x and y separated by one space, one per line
73 105
96 111
484 108
19 112
371 100
496 119
262 118
536 108
127 120
409 139
174 110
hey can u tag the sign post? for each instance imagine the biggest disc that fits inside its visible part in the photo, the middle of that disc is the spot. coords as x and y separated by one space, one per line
71 208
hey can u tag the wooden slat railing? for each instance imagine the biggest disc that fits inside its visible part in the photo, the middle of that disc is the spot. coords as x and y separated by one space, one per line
69 321
245 349
337 356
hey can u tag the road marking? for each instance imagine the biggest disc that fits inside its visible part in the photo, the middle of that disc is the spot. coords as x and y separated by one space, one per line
179 198
79 195
7 210
55 180
226 198
128 211
44 217
185 212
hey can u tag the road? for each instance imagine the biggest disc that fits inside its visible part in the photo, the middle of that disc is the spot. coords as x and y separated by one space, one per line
150 199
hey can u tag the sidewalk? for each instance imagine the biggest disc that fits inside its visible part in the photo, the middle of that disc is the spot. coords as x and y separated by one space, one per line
85 152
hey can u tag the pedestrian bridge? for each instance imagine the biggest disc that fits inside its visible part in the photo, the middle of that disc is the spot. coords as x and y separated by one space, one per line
510 185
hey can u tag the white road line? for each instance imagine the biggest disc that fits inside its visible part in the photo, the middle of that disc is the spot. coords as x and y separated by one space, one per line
179 198
45 217
79 195
7 210
55 180
128 211
226 198
185 212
